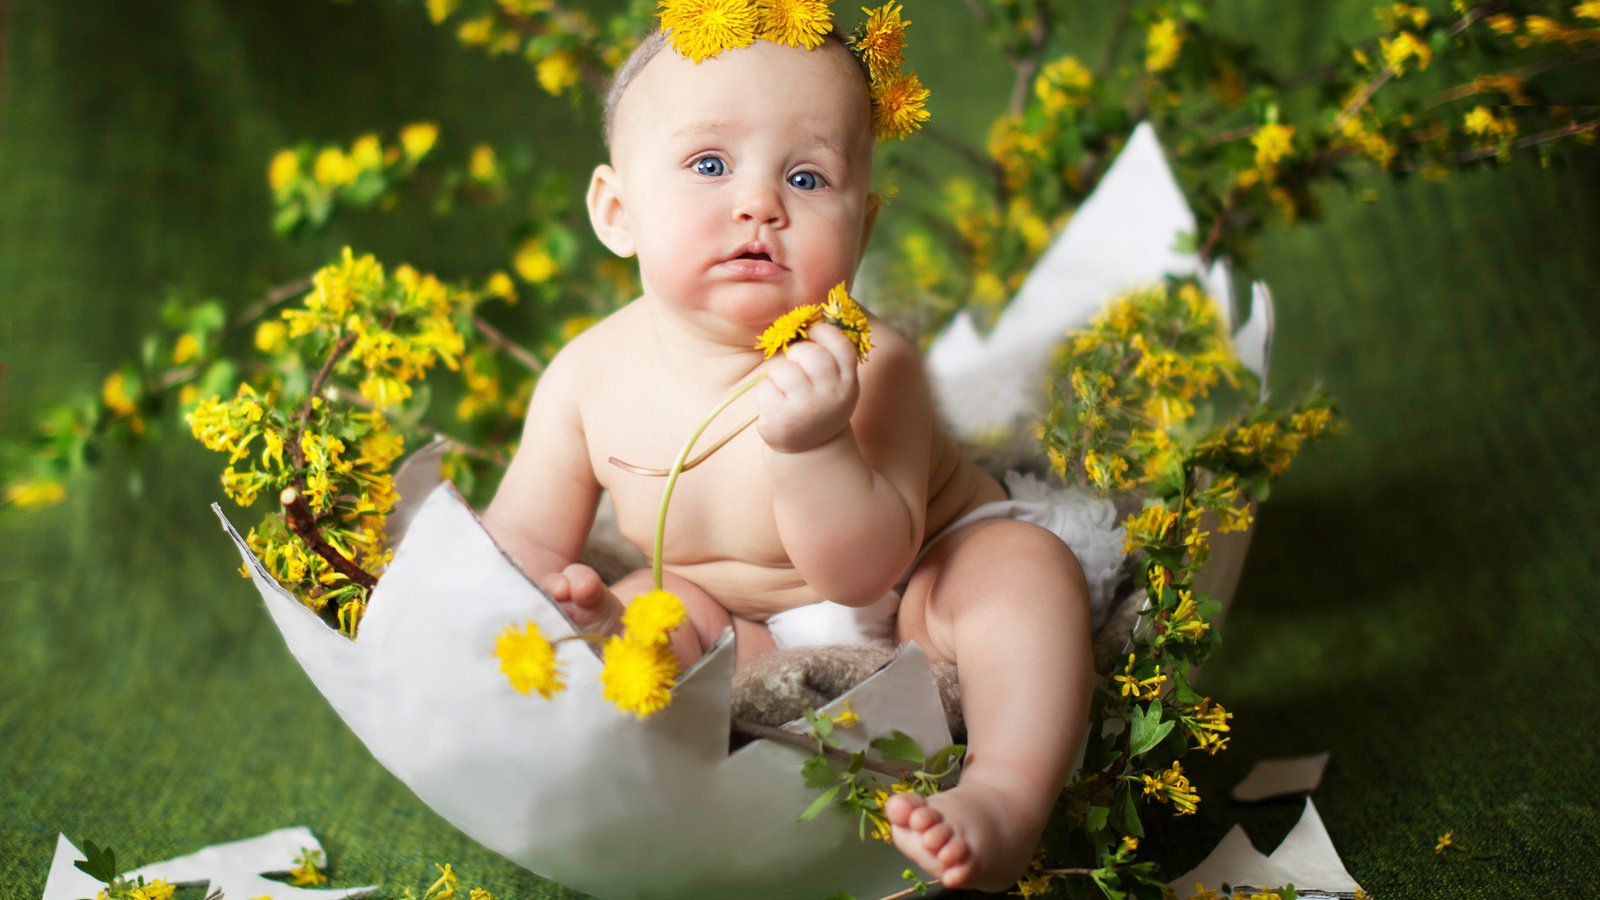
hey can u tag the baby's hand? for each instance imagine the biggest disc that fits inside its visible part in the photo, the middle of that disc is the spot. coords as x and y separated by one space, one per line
809 393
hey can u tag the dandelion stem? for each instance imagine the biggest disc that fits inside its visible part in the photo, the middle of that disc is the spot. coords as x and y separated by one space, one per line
702 457
677 469
806 742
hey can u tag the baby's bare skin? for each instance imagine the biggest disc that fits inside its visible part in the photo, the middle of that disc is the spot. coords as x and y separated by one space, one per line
739 208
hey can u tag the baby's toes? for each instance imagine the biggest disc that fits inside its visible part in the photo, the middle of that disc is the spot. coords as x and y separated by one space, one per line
925 817
900 808
937 839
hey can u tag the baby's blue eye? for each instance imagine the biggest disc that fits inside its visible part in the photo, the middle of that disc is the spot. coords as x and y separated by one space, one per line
711 166
805 181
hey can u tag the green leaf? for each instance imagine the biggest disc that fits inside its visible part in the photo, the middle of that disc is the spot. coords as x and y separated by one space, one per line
1125 812
899 746
820 804
1097 818
101 864
818 773
1147 729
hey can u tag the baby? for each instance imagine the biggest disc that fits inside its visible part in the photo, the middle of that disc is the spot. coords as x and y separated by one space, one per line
741 183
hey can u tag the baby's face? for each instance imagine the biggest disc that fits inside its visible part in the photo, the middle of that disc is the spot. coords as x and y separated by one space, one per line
743 181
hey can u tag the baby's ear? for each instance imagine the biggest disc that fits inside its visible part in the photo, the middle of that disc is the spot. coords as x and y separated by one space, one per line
874 204
606 215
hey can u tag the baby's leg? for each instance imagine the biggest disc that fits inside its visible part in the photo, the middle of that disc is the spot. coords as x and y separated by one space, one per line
597 609
1007 602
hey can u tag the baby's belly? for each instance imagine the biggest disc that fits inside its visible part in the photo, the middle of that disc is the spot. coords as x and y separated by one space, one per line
749 591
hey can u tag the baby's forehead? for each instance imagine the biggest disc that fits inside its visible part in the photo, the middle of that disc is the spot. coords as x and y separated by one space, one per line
739 88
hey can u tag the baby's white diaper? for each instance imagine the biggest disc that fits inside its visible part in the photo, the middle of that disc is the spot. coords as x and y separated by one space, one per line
1086 523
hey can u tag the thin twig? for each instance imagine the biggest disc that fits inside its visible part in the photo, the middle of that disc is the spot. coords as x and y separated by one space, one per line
1534 140
518 352
767 732
297 513
914 889
1521 74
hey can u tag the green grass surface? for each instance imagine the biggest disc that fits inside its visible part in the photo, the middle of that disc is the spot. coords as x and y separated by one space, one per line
1415 602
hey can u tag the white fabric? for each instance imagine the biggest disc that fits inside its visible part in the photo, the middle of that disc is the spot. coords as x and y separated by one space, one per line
1085 523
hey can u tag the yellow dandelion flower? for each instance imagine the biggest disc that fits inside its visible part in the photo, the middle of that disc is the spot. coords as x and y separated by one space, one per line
528 660
899 106
843 312
1273 142
556 72
787 329
36 493
880 41
638 675
1162 44
418 138
283 170
700 29
652 615
797 23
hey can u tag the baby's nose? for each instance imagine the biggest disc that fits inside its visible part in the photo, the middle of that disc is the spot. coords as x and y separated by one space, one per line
761 205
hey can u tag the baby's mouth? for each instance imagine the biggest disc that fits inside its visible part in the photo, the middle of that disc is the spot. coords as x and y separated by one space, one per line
753 260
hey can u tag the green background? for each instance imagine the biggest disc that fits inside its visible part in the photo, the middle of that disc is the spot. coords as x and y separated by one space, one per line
1416 601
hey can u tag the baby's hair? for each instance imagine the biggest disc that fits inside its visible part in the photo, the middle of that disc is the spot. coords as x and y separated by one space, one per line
641 56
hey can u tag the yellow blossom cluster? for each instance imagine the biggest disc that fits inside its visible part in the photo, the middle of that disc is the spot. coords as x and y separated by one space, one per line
1133 685
308 180
1207 725
1163 42
1062 83
1172 786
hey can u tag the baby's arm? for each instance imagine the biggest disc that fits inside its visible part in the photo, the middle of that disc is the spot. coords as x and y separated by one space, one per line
848 458
544 506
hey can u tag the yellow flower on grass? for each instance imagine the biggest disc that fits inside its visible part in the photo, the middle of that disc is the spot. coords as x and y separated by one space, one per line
899 106
881 40
528 660
1445 841
418 138
35 494
638 675
701 29
1034 884
843 312
787 329
557 72
797 23
283 170
1589 9
652 615
444 888
1273 142
1162 43
308 869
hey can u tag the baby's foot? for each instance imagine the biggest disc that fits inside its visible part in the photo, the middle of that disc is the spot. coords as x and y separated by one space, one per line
586 600
968 837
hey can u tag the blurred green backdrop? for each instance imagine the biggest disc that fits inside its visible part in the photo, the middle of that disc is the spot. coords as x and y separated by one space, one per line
1415 602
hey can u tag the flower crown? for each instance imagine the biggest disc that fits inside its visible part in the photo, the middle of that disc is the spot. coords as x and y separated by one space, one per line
700 29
